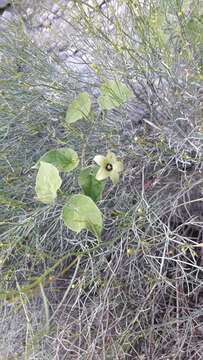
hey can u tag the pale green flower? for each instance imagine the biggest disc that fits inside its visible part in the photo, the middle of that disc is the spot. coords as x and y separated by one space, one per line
109 167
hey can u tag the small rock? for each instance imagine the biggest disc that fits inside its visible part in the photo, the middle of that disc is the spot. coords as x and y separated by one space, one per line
47 23
51 17
7 15
63 55
55 8
29 11
4 3
62 46
43 17
59 13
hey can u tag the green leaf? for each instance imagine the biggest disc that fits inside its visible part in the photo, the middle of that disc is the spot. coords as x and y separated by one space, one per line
80 212
113 94
79 108
194 30
90 185
64 159
48 181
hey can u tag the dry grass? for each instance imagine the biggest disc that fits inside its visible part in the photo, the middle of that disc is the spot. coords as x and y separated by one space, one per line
137 294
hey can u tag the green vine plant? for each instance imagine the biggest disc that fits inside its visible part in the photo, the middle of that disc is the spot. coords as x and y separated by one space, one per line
80 210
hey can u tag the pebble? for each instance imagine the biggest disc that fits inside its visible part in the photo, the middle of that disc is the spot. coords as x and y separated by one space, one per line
47 23
55 8
7 15
63 55
44 17
4 3
58 14
51 17
29 11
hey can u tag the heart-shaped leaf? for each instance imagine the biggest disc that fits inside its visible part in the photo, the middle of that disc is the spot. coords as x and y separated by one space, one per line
113 94
64 159
79 108
80 212
90 185
48 181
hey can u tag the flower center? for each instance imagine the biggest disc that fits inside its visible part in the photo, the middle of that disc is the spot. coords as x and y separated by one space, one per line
109 167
